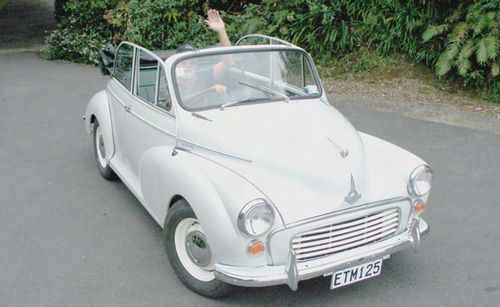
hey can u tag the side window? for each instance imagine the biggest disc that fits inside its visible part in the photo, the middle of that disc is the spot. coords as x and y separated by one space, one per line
164 101
146 77
123 65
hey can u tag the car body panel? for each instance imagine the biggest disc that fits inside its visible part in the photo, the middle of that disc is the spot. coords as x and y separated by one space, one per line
302 156
98 108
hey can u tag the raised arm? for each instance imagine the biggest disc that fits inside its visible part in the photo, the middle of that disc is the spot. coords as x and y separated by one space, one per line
217 24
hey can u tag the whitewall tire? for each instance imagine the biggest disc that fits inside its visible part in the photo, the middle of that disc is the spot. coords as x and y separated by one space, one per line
189 252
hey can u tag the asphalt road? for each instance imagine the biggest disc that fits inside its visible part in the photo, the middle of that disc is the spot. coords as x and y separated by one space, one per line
70 238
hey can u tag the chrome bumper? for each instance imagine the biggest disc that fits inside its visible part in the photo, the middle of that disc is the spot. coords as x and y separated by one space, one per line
294 271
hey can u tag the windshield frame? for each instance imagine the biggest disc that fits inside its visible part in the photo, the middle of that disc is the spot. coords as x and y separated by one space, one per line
241 49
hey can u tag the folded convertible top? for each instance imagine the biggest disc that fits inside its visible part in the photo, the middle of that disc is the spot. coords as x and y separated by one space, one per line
106 58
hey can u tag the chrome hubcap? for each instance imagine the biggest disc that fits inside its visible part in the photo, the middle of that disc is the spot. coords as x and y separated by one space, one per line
101 151
101 146
193 251
197 248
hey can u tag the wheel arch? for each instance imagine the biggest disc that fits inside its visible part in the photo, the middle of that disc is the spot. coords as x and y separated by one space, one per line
174 199
98 109
165 179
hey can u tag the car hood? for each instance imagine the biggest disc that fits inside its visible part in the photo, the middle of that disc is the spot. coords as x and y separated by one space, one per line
300 155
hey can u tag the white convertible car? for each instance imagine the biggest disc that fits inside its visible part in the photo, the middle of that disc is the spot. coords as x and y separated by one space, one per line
255 178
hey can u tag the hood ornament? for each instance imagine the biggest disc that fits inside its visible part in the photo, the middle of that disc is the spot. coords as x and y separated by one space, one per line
353 195
343 152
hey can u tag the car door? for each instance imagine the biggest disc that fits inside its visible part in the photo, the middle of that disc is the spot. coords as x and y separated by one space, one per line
119 93
145 119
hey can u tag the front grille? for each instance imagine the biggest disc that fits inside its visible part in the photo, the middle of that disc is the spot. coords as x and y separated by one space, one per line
334 238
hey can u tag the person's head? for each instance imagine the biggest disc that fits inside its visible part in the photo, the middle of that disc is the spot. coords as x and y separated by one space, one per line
185 69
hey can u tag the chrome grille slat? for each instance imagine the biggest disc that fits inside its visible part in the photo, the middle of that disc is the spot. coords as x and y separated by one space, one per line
346 238
356 232
350 223
330 234
342 248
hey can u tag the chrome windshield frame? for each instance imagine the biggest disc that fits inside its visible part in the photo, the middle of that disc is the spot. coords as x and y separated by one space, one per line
234 50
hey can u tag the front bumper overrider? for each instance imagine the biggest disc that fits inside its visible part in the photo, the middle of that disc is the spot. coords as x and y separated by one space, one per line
294 271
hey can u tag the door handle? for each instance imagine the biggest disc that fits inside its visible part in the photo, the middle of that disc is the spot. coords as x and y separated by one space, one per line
127 108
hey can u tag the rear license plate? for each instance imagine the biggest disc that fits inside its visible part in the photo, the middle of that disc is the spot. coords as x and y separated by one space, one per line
356 273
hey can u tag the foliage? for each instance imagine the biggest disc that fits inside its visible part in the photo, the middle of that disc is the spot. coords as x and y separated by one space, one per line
471 37
459 39
82 31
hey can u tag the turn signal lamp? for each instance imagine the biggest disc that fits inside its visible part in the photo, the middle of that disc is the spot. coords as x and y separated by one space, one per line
419 206
256 248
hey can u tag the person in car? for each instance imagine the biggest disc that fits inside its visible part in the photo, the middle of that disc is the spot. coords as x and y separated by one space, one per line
185 70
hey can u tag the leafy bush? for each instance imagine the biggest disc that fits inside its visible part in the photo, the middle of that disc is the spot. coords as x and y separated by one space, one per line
81 31
471 38
460 40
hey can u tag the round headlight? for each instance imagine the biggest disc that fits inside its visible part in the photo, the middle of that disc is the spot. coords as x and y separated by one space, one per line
256 218
420 181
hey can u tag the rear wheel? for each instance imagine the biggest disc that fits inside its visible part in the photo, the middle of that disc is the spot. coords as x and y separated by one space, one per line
189 252
100 153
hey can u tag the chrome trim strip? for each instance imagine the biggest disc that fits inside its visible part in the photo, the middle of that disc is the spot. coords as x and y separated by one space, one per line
343 238
140 117
332 215
366 241
241 49
293 272
344 211
347 227
131 90
213 150
425 232
157 83
266 197
270 38
151 124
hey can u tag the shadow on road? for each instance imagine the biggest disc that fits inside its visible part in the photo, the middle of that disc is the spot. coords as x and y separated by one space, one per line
24 23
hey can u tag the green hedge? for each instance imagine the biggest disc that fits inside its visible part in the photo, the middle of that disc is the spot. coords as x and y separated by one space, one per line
459 39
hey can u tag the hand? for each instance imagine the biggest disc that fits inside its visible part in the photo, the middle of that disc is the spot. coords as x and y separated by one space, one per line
214 21
219 88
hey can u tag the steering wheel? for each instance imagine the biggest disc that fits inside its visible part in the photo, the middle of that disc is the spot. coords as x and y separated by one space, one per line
206 98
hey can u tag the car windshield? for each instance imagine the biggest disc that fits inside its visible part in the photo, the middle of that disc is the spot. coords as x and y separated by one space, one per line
238 78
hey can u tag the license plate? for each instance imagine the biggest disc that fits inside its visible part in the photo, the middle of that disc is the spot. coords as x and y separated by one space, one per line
356 273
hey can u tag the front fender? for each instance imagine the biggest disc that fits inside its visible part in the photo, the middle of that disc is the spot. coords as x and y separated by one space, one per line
215 193
98 108
387 163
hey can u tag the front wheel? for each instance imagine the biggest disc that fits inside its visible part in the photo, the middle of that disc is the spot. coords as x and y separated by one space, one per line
100 153
189 252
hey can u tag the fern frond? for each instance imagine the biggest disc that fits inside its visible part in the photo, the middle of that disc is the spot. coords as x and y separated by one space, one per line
459 32
480 24
463 66
492 22
481 52
452 51
492 44
495 70
443 65
433 31
456 14
466 50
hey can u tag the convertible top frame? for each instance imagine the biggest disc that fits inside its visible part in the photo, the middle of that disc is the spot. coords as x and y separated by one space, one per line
107 55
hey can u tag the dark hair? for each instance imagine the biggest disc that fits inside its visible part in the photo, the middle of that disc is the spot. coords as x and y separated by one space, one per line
184 48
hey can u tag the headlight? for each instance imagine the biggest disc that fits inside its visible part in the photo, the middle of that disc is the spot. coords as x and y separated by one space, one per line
256 218
420 181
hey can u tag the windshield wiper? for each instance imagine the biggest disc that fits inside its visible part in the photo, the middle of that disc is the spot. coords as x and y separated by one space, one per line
232 103
266 90
201 116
